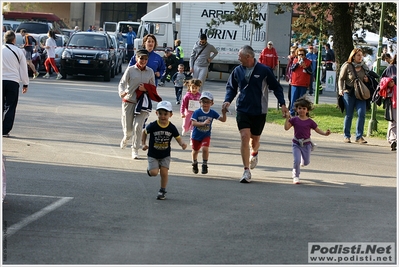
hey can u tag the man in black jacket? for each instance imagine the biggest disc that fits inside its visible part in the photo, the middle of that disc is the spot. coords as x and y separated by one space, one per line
330 59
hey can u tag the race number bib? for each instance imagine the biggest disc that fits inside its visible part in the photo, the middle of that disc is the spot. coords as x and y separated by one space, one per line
193 105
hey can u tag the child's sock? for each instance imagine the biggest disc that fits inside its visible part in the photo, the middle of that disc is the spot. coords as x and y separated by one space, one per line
253 154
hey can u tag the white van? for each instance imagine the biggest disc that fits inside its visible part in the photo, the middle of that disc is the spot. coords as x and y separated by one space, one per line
121 26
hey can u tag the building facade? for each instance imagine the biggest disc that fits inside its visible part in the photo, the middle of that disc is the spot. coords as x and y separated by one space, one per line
84 14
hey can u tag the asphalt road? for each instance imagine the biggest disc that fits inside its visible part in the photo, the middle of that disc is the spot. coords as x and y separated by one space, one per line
74 197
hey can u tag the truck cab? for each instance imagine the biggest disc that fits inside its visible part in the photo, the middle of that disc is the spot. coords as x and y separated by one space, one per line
161 23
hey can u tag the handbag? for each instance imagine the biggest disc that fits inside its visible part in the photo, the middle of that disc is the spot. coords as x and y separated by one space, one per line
362 92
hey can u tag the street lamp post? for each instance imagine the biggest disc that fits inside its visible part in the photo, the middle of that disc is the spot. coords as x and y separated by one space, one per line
317 85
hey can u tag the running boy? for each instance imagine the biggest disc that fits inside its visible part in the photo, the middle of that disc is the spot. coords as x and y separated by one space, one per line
161 132
202 120
301 143
178 80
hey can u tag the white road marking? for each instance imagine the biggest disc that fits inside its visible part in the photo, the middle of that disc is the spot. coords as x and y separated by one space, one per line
37 215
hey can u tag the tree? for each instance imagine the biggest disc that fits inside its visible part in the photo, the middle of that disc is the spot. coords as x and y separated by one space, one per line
341 20
337 19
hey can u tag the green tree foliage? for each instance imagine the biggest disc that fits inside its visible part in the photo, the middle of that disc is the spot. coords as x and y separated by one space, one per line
341 20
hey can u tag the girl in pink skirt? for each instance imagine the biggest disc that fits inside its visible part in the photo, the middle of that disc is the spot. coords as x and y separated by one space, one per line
190 103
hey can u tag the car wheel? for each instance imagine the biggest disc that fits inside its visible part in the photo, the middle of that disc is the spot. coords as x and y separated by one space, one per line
107 76
63 73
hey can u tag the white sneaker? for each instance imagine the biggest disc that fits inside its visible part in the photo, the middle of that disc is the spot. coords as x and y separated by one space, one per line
123 143
183 133
253 161
59 76
295 180
46 76
135 154
35 75
246 177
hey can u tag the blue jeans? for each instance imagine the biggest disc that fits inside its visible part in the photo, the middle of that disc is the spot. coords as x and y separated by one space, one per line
296 92
178 92
351 102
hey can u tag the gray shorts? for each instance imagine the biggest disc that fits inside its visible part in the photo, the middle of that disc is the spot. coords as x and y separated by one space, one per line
154 163
28 55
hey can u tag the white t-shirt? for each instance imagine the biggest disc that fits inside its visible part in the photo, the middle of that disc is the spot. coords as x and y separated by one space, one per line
52 44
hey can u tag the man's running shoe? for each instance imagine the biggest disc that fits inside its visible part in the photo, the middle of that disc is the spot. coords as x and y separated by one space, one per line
246 177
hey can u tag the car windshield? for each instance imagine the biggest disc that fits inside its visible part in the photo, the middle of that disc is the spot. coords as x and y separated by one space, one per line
88 40
34 27
124 27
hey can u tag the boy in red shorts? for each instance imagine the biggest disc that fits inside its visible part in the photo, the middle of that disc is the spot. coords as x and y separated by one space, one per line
202 120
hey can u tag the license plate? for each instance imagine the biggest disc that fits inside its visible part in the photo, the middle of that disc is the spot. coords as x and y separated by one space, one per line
83 61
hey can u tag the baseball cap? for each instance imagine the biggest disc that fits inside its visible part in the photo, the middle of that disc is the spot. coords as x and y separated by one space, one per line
168 50
270 42
206 95
166 105
142 52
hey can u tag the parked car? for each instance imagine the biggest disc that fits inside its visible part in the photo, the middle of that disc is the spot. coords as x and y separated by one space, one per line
13 23
61 42
67 32
89 53
36 27
119 54
37 57
7 27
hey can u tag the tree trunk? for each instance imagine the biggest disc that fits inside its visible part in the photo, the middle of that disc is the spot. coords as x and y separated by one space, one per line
342 27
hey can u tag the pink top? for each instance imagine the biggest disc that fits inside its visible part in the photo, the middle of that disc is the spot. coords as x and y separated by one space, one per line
187 105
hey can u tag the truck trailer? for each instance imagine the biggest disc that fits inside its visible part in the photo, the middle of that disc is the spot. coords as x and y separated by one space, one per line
167 26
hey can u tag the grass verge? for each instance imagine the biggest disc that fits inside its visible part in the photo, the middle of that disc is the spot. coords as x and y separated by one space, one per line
328 116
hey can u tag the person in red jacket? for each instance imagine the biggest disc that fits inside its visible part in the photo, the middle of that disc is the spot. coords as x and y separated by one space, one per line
300 77
269 57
